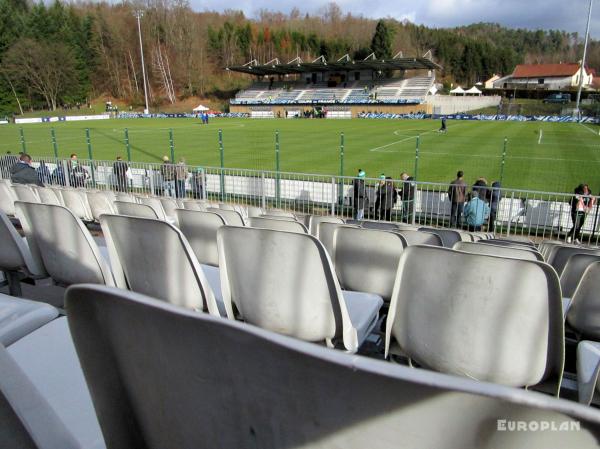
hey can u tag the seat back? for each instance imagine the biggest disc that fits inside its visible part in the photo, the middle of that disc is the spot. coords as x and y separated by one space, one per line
125 197
385 226
7 199
280 213
24 192
153 257
284 282
76 201
156 205
325 231
573 271
195 205
135 210
449 236
200 230
58 192
366 260
226 206
254 211
562 254
314 220
584 313
495 250
421 238
170 206
14 252
47 196
140 355
232 217
489 318
99 204
277 225
68 252
281 217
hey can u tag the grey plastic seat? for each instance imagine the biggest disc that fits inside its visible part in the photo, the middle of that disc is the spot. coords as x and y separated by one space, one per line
315 220
496 250
231 217
65 247
281 217
561 255
7 199
505 328
367 260
135 210
254 211
584 312
47 196
200 230
284 282
518 239
170 206
25 193
320 398
156 205
277 225
449 236
195 205
506 244
100 204
125 197
153 257
19 317
325 232
76 201
58 192
421 238
15 257
573 271
280 213
226 206
382 225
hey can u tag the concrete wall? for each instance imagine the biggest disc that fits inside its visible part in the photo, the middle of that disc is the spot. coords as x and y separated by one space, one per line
453 104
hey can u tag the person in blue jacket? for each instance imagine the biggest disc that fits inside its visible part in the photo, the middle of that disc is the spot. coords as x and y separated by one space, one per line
476 212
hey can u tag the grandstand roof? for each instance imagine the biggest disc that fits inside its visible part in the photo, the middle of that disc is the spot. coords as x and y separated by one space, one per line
543 70
322 66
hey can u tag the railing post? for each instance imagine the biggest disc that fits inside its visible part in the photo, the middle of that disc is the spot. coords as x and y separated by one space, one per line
417 158
222 173
90 155
263 202
333 195
127 145
23 145
341 192
277 174
54 144
172 145
503 161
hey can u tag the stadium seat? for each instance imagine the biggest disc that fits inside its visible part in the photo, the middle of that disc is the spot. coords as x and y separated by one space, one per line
584 312
7 199
195 205
76 201
508 244
277 225
366 260
231 217
280 213
65 246
19 317
200 230
281 217
325 232
488 318
226 206
254 211
153 257
421 238
16 260
47 196
496 250
170 206
385 226
573 271
449 236
222 372
562 254
135 210
100 204
156 205
58 192
125 197
284 282
315 220
25 192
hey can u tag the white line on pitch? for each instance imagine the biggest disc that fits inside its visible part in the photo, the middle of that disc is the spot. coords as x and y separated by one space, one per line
399 141
589 129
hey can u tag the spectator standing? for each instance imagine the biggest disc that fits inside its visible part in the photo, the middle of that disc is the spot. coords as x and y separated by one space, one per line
457 195
181 173
198 184
581 203
407 195
77 174
167 170
494 195
120 172
386 198
359 194
23 173
476 211
444 127
44 173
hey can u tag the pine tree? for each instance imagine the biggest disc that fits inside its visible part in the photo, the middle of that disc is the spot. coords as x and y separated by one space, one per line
381 43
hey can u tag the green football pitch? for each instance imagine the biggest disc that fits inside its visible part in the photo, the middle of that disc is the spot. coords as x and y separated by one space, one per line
539 156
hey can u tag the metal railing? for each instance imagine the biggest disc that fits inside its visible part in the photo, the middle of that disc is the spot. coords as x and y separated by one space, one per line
543 215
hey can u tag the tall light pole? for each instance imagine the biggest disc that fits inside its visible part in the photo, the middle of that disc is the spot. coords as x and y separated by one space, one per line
582 68
138 15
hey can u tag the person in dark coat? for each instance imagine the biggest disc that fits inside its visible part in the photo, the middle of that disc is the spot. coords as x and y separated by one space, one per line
359 195
23 173
120 169
407 196
457 196
494 197
581 203
197 183
77 174
386 197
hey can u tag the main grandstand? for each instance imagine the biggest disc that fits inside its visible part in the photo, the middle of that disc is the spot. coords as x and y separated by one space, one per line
399 85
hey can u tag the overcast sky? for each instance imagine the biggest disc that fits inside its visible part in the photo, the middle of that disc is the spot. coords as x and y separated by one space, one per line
568 15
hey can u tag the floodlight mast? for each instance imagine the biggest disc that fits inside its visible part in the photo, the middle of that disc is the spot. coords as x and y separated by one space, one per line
582 68
138 15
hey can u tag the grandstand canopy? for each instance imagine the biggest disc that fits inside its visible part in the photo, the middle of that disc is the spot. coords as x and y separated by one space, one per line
339 66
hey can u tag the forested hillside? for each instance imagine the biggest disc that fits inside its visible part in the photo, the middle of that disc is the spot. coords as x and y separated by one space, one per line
58 54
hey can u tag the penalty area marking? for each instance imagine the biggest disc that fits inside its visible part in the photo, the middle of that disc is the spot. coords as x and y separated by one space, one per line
591 130
378 149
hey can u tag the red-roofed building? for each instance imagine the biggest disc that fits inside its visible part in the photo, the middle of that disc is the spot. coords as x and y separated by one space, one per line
545 76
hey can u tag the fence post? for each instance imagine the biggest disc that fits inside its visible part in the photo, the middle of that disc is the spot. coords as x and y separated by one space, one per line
222 174
263 202
127 145
503 161
172 145
90 155
341 192
277 175
23 145
54 144
333 186
417 158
